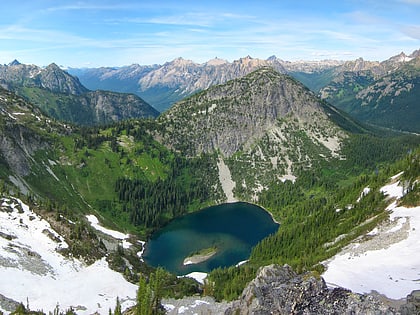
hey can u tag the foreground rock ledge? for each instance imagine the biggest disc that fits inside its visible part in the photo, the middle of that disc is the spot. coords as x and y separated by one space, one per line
279 290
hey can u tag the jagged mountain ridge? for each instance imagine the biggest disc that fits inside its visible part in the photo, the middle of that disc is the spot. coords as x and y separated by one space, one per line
51 78
166 84
63 97
379 93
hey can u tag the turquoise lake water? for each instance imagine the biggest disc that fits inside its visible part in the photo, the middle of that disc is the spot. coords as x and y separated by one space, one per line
233 228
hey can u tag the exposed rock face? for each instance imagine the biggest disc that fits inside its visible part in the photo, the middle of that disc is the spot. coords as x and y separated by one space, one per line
18 142
234 116
412 307
111 106
279 290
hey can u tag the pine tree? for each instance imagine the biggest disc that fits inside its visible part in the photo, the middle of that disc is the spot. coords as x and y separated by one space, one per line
156 285
144 298
117 310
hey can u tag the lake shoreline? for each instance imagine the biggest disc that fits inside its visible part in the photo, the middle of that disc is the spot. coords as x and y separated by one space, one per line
184 245
257 205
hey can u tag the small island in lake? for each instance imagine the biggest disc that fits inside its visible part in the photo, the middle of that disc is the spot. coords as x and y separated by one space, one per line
200 256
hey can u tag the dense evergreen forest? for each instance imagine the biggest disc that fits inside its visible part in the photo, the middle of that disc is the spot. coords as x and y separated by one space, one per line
153 203
143 184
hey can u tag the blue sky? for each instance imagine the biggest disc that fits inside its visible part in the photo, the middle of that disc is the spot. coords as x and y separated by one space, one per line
93 33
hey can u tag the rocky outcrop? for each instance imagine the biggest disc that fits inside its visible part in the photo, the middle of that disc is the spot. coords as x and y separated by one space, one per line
112 106
18 141
279 290
412 307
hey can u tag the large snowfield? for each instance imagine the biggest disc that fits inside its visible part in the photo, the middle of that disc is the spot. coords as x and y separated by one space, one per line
34 273
387 259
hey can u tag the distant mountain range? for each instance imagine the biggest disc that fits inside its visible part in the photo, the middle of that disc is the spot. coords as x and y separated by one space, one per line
347 85
380 93
164 85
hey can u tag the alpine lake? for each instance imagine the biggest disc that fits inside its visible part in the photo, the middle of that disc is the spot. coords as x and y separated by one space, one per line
217 236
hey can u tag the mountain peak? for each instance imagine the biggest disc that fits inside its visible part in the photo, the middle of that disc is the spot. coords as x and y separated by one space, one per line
181 61
246 59
230 117
14 63
216 62
53 66
415 54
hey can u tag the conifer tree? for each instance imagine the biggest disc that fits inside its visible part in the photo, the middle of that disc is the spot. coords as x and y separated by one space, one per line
117 310
144 298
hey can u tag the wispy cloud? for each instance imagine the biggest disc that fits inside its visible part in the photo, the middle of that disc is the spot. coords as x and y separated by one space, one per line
413 31
121 32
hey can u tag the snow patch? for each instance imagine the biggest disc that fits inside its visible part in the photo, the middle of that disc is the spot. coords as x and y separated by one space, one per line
198 276
241 263
365 191
33 270
388 261
95 224
51 173
393 190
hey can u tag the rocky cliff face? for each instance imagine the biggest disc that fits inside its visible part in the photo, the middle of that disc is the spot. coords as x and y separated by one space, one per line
234 116
111 106
279 290
22 129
